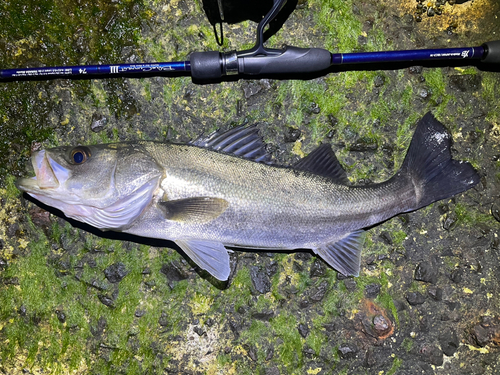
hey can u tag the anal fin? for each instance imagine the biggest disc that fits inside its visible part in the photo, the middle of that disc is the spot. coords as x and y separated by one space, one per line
209 256
344 255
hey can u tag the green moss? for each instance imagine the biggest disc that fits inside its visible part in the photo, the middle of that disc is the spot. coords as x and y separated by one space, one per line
290 351
437 83
396 363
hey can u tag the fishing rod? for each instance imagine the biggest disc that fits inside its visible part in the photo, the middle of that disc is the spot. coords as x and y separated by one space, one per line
260 62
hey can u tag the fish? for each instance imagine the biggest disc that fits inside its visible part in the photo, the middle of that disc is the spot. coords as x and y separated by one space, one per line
224 190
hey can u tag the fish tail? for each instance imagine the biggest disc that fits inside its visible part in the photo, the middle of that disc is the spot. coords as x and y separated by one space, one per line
430 167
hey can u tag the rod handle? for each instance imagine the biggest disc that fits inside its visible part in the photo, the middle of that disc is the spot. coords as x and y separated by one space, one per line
492 52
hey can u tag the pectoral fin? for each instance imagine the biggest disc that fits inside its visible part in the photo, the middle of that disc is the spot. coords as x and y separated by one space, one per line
209 256
344 255
194 210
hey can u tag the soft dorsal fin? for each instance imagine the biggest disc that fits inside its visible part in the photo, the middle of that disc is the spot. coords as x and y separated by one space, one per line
243 141
194 210
322 161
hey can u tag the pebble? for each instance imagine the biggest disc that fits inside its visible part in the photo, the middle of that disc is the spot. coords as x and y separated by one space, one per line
347 351
303 330
449 342
99 122
116 272
260 280
415 298
372 290
495 211
317 269
426 272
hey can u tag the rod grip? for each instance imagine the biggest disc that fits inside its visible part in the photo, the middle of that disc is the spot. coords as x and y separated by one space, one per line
492 52
206 66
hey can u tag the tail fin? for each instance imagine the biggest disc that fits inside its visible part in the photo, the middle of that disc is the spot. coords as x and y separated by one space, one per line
429 165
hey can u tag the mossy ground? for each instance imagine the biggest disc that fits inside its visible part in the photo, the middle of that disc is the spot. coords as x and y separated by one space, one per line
53 318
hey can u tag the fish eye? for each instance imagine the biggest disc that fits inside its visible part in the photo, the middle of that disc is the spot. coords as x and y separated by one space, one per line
80 155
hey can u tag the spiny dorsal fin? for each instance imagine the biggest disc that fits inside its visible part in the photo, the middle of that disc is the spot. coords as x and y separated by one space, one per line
344 255
322 161
209 256
194 210
243 141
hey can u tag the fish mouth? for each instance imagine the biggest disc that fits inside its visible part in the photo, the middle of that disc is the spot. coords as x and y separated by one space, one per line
48 174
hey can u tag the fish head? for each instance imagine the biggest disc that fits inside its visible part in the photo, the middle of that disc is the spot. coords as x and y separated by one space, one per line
106 186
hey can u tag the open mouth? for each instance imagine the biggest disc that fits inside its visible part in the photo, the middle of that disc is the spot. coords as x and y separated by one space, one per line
46 171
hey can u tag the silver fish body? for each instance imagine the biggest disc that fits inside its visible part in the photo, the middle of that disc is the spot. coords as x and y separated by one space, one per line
221 191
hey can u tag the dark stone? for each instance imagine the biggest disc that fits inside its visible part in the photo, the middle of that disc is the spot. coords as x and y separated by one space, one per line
427 272
449 342
350 284
319 292
272 268
347 351
22 310
318 268
450 221
173 272
372 290
379 80
303 330
381 326
386 237
61 316
99 122
260 280
163 320
116 272
362 145
435 292
269 353
415 69
106 300
481 335
432 354
495 211
98 330
466 82
199 331
263 315
415 298
139 313
210 322
3 263
291 135
456 275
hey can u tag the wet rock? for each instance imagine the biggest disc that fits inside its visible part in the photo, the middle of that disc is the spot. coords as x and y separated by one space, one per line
269 353
386 237
350 284
116 272
314 108
265 315
495 211
362 145
381 326
303 330
199 331
448 341
379 80
3 263
252 353
466 82
99 122
372 290
319 292
432 354
163 320
427 272
487 332
106 300
260 280
347 351
139 313
291 135
173 271
424 93
271 269
61 316
450 221
99 328
456 275
435 293
415 69
415 298
317 269
251 89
